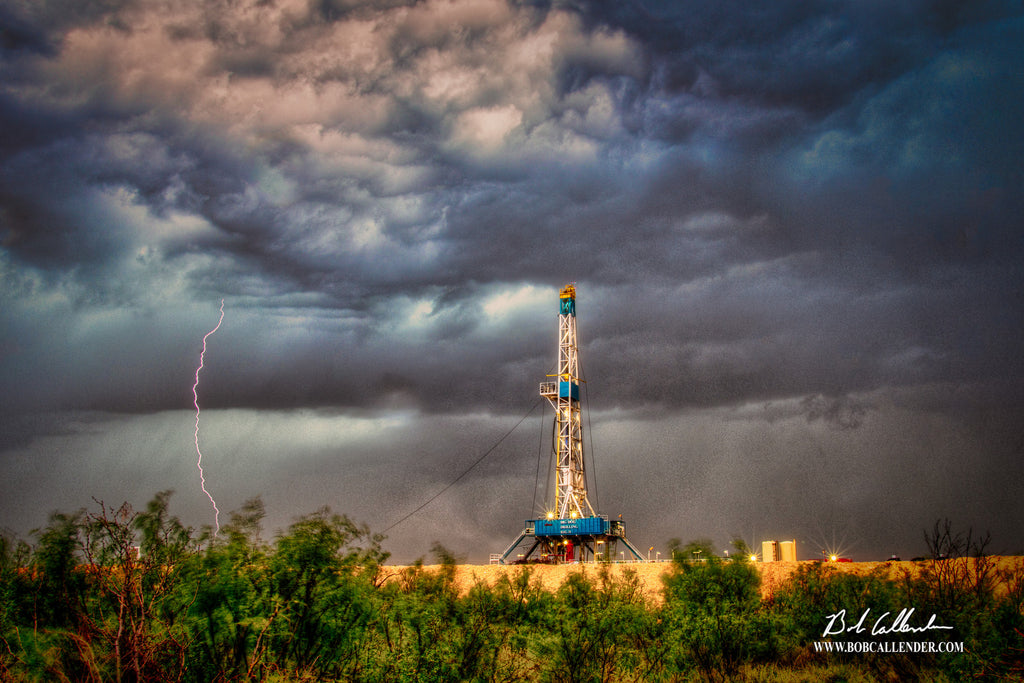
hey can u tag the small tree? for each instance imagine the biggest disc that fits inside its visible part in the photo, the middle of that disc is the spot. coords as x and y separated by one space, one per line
714 616
131 582
697 549
226 591
321 573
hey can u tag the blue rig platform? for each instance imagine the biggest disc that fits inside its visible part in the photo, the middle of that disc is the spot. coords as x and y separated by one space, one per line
583 539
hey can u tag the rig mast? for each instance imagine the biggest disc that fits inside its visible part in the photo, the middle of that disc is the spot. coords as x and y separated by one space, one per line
564 396
570 531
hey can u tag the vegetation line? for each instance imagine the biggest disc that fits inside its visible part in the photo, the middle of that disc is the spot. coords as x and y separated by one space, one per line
119 595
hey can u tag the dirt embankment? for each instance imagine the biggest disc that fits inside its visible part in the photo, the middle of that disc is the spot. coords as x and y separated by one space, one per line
773 574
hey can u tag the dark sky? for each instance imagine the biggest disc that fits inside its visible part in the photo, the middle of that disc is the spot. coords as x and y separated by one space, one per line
795 229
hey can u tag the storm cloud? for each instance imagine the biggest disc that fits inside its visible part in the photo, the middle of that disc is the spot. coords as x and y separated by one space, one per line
794 229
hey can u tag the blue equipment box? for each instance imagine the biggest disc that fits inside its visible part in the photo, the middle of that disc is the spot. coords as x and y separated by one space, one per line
582 526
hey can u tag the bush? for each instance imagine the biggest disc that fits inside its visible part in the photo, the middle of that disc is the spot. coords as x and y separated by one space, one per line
714 614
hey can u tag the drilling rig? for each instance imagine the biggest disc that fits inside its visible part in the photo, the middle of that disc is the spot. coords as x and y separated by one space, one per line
570 531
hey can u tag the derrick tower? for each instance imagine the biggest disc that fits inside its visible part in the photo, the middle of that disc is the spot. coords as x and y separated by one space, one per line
564 396
571 531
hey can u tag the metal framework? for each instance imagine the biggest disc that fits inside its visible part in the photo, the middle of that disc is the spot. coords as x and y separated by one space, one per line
570 531
564 396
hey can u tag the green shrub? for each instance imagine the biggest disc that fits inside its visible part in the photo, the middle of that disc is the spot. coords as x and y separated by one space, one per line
715 618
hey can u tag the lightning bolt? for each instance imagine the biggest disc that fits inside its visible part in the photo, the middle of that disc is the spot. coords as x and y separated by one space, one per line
195 402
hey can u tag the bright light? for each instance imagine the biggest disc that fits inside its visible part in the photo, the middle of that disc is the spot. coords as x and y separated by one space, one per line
753 558
833 558
551 515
